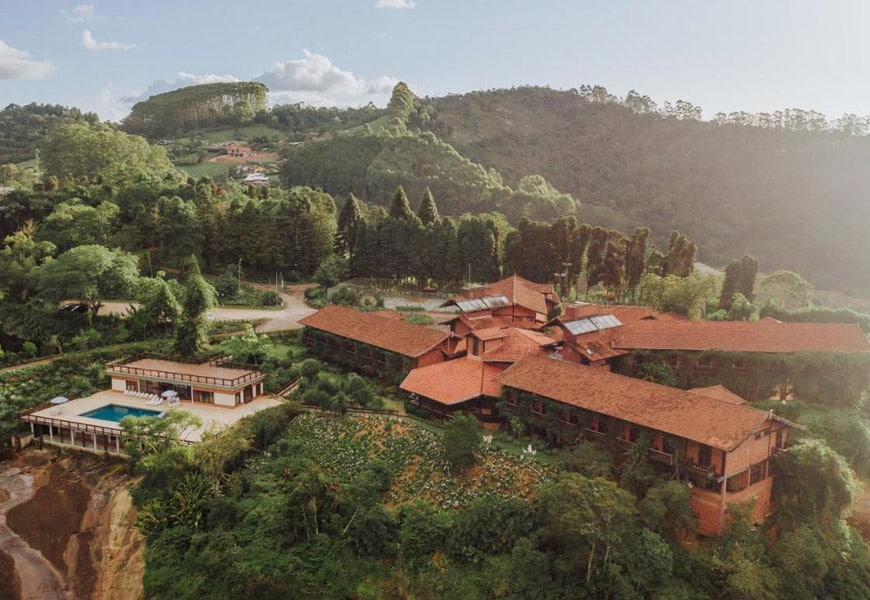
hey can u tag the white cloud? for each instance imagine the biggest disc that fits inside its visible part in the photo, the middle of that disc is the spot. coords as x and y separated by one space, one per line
382 85
314 77
81 13
161 86
313 73
395 4
91 44
16 64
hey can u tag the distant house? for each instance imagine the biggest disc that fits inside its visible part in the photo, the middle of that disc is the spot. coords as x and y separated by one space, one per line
376 345
256 179
237 150
722 448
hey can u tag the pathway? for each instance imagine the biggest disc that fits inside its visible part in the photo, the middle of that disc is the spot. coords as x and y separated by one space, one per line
39 579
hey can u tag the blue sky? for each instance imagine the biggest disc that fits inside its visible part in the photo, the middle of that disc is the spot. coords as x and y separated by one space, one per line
756 55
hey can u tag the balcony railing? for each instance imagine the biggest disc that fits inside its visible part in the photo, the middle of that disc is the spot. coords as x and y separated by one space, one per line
701 470
594 435
661 457
625 443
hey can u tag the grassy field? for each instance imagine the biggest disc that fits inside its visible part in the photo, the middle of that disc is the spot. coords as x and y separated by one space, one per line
207 169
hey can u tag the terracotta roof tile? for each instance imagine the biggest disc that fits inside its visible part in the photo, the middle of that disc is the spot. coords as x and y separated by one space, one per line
519 291
490 333
454 381
382 332
741 336
684 414
517 344
626 314
719 392
596 345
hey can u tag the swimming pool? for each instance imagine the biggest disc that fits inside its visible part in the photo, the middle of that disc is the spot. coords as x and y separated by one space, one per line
116 412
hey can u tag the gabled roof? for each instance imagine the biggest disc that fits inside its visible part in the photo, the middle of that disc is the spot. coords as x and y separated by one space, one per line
517 343
382 332
741 336
518 291
719 392
596 345
454 381
692 416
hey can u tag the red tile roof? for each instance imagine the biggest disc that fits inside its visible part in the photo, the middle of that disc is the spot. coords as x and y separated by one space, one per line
741 336
625 314
519 291
596 345
382 332
719 392
517 343
486 322
692 416
454 381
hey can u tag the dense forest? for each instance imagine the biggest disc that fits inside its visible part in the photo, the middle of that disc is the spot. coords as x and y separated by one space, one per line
785 187
196 107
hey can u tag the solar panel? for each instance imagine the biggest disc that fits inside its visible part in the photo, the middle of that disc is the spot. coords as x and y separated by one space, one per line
482 303
605 321
580 326
590 324
471 305
496 301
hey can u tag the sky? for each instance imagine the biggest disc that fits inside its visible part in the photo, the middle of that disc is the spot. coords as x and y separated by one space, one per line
755 56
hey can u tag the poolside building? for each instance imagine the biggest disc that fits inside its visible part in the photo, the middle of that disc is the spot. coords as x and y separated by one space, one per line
218 392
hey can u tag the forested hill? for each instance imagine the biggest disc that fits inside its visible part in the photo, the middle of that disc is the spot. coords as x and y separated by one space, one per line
23 128
196 107
795 199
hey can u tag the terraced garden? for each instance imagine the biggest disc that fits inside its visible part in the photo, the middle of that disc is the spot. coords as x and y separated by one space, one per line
413 456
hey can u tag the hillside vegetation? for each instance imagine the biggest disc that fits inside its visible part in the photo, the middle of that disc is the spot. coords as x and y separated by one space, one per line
196 107
794 199
23 128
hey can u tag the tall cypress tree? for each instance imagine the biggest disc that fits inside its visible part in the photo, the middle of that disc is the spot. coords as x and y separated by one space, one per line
428 212
191 335
400 208
347 226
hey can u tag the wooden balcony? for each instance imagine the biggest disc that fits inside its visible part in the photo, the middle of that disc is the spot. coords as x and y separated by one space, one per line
706 472
625 444
591 434
658 456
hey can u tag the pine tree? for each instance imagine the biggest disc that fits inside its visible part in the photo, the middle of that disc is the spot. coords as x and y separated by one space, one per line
428 212
400 208
348 225
191 334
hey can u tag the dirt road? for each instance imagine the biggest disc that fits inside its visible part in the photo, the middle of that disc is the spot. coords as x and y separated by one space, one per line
275 320
39 579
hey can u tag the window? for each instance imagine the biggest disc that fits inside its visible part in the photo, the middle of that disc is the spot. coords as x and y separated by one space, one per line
203 396
475 346
757 472
633 434
706 364
538 406
512 399
601 425
705 455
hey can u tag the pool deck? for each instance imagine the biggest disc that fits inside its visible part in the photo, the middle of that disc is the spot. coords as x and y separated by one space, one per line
213 417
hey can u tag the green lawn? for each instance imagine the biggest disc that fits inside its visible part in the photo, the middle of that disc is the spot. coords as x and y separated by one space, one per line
207 169
284 350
